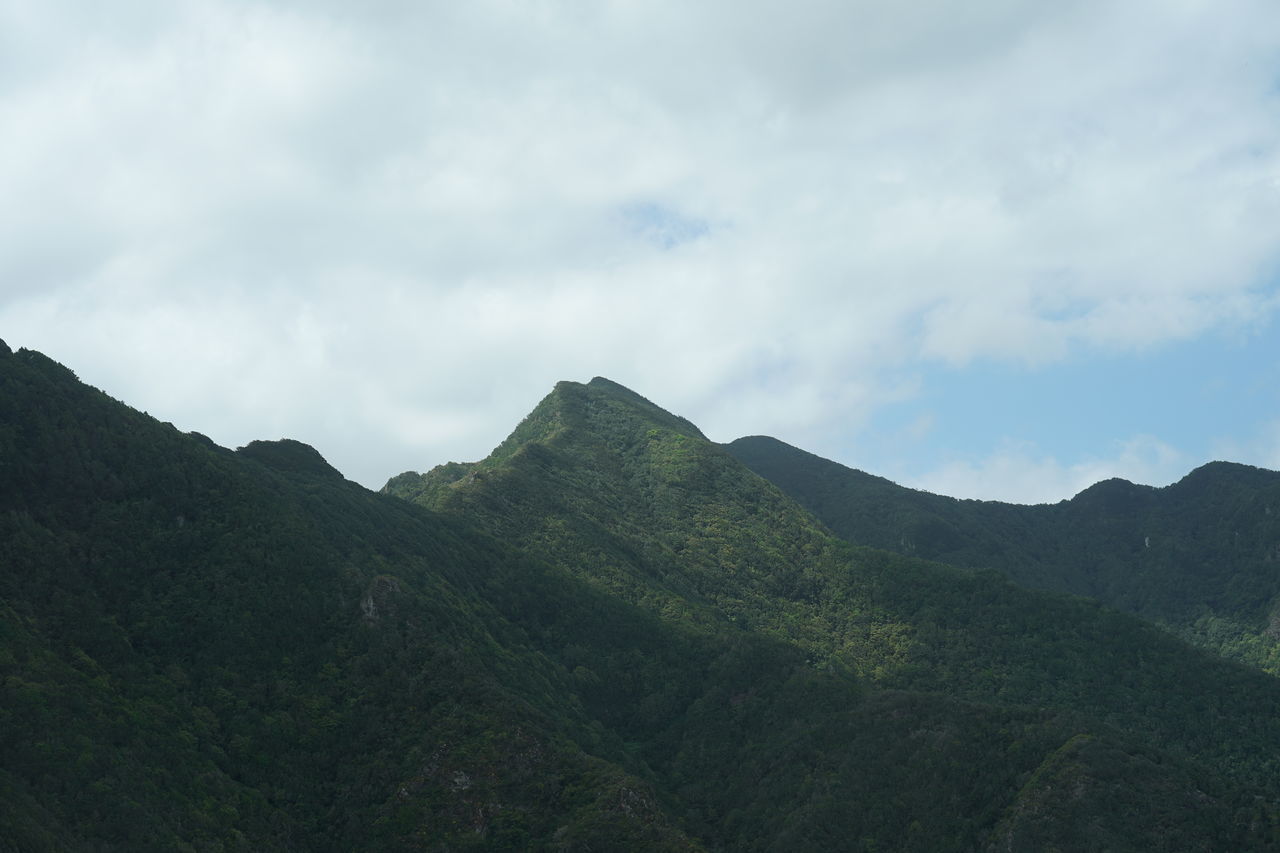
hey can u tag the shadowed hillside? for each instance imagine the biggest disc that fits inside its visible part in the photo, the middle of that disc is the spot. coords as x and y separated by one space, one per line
649 511
610 635
1201 556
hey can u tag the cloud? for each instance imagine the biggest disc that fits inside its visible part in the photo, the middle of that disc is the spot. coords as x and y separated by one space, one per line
389 228
1020 472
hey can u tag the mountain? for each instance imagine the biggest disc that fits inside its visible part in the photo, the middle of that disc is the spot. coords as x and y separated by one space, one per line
1201 557
608 635
203 649
641 505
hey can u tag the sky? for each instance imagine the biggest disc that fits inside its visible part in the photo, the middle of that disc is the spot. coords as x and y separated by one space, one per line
993 249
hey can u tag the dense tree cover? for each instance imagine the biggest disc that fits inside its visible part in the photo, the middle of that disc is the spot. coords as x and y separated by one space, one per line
649 511
1201 557
207 650
607 636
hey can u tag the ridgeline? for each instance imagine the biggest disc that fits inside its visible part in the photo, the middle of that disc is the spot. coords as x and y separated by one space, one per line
610 634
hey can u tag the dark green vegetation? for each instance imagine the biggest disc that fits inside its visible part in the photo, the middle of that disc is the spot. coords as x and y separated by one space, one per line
1201 557
609 635
206 650
639 504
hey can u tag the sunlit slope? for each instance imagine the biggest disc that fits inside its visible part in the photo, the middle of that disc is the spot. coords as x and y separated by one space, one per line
612 637
202 649
640 505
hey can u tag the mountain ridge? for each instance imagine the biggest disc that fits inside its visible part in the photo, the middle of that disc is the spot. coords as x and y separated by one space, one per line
609 635
1196 556
739 546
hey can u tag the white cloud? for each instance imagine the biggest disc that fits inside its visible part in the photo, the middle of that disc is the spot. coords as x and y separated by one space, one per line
1020 472
388 228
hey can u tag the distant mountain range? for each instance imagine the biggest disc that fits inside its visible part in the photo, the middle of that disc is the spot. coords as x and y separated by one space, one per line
613 634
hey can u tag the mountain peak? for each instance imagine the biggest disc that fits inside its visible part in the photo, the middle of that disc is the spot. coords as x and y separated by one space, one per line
1113 495
607 385
597 418
596 407
1212 473
289 456
602 389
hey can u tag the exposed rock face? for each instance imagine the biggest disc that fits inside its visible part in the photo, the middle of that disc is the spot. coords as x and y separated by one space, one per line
379 600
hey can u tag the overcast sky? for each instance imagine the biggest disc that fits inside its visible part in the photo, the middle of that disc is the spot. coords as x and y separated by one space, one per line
994 249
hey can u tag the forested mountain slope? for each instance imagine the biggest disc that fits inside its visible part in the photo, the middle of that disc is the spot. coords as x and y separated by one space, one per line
642 506
207 650
609 636
1201 556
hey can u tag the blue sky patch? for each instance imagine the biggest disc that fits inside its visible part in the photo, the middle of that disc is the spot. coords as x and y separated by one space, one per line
662 226
1195 396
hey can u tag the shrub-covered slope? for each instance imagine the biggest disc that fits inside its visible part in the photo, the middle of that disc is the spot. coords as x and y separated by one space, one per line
1201 556
647 510
202 649
611 637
